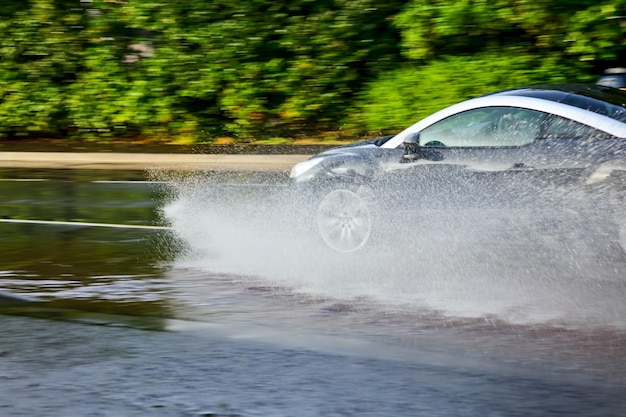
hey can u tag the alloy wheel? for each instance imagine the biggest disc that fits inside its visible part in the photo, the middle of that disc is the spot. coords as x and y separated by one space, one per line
344 220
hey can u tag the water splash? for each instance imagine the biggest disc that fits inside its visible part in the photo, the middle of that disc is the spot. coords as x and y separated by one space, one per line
526 268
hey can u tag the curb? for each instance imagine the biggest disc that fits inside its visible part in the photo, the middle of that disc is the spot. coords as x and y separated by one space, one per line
139 161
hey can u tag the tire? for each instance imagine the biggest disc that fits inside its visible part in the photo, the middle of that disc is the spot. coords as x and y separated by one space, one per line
345 218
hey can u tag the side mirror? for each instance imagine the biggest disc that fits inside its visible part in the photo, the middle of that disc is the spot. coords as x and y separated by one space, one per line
412 151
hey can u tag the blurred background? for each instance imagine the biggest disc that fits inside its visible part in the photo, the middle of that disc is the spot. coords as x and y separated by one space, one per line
223 71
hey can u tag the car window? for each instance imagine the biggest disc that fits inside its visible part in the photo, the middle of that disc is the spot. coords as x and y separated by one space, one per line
486 127
557 127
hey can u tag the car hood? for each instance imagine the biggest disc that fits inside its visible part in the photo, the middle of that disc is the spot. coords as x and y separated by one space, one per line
355 147
363 151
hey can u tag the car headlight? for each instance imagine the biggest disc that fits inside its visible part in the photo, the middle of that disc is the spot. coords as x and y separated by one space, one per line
303 167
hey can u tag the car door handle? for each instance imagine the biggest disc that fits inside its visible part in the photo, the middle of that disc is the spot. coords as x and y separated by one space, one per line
520 166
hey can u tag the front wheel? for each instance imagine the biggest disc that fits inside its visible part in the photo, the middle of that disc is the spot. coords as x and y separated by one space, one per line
344 219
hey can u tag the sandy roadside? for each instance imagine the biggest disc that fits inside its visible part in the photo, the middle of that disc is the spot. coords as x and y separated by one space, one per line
142 161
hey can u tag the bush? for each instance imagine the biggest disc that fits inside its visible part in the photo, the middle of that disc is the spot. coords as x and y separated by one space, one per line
412 92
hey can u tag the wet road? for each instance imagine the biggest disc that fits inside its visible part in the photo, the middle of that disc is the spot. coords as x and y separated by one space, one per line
246 318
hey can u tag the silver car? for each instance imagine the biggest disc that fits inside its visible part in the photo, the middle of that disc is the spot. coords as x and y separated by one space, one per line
557 149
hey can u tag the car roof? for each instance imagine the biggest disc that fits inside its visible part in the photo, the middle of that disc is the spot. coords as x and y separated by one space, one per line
597 106
578 95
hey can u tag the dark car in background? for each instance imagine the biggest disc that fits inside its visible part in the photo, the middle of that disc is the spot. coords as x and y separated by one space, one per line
613 77
544 151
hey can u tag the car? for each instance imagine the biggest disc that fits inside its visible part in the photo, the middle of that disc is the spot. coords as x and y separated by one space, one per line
556 151
613 77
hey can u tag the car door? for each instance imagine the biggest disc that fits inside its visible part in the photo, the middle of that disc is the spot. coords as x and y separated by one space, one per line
497 157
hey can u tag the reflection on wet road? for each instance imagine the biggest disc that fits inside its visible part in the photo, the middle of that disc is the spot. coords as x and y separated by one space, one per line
70 263
264 322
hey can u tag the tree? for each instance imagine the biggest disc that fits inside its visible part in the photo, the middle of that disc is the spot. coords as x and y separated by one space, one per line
458 49
39 50
191 70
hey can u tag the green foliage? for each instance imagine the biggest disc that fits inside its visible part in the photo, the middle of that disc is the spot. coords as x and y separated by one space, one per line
412 92
459 27
192 71
38 50
598 32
